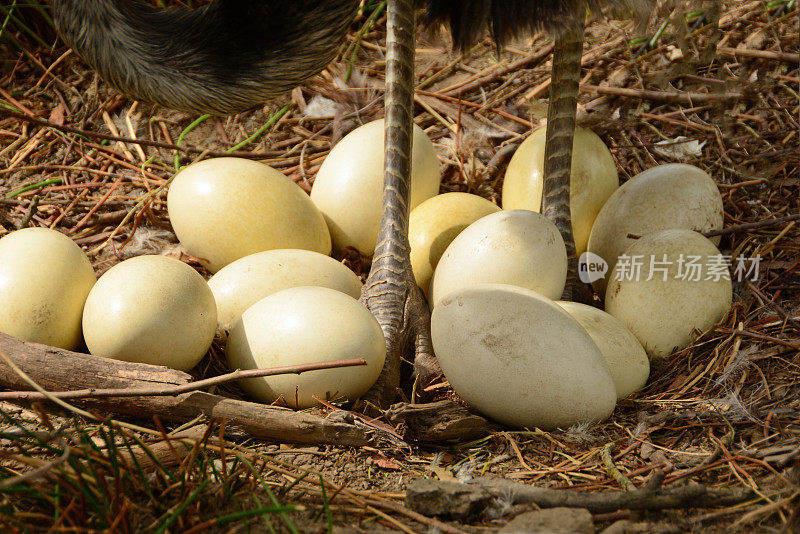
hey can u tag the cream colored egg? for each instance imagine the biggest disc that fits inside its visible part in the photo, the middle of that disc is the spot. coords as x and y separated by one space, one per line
150 309
348 188
675 195
624 355
226 208
304 325
516 247
520 359
593 179
667 285
44 280
434 224
241 284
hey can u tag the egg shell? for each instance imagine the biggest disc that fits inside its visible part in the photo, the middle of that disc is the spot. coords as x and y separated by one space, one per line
516 247
675 195
624 355
302 325
223 209
150 309
520 359
239 285
593 179
348 188
434 224
44 280
662 312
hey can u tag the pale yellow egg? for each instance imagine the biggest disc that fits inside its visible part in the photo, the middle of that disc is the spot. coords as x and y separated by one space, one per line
667 285
593 179
435 223
44 280
150 309
223 209
516 247
675 195
304 325
240 284
348 188
520 359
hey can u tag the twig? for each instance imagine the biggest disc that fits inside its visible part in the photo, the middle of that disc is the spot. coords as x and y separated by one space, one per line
787 57
774 305
172 391
647 498
763 337
612 470
752 225
670 97
108 137
39 471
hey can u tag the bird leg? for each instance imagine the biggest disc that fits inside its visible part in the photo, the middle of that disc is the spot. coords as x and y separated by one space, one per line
390 291
560 132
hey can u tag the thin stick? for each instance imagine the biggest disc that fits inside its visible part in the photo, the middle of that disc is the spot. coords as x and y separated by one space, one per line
420 493
752 225
613 471
172 391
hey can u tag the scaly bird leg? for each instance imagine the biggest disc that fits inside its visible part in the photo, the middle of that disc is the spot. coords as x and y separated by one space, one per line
558 143
390 291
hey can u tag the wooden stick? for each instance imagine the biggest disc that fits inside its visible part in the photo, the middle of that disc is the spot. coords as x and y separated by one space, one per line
170 390
432 497
752 225
58 369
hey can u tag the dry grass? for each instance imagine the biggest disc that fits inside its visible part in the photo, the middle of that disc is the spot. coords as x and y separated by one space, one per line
724 412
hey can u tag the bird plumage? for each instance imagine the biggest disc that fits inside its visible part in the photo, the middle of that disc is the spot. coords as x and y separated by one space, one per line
231 55
225 57
510 19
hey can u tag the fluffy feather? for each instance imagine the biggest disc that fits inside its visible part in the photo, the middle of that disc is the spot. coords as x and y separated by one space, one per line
231 55
509 19
225 57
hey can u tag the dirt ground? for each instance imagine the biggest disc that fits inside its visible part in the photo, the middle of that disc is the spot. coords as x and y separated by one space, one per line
724 412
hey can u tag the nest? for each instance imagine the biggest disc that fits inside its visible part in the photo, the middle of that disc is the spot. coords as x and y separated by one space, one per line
717 88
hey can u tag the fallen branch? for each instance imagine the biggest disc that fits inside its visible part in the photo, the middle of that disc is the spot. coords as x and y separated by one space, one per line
58 369
171 390
437 497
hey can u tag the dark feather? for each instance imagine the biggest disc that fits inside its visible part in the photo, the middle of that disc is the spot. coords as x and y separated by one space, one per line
231 55
510 19
225 57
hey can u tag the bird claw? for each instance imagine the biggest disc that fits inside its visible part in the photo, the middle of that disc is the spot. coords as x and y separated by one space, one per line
404 316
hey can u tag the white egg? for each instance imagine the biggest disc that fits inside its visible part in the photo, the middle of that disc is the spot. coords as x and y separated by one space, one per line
593 179
226 208
516 247
624 355
304 325
348 188
520 359
667 196
239 285
44 280
151 309
434 224
667 285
